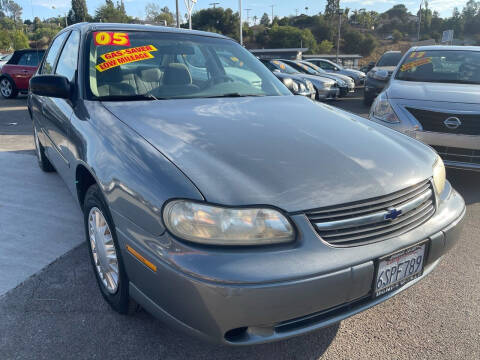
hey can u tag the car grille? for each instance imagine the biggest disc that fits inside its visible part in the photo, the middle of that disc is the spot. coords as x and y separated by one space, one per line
434 121
374 219
459 155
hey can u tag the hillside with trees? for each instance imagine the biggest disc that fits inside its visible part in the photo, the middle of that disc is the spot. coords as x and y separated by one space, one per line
363 32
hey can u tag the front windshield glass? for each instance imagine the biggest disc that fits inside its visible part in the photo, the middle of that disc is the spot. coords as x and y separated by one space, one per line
390 59
443 66
159 65
284 68
314 67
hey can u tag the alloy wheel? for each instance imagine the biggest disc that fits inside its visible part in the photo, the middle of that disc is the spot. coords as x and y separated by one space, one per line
103 250
6 88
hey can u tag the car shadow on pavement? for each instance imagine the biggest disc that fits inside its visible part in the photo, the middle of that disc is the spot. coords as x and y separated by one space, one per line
60 311
466 183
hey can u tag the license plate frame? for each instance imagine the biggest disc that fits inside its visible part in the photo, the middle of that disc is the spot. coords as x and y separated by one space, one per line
403 253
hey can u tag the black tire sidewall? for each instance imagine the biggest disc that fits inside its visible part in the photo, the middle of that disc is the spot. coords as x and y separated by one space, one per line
120 300
43 161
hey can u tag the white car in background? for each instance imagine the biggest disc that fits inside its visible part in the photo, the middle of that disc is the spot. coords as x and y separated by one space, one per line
4 59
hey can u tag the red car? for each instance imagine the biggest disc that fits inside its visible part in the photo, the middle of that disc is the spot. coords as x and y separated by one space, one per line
16 73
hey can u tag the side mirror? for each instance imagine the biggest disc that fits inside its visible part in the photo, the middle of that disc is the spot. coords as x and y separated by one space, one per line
56 86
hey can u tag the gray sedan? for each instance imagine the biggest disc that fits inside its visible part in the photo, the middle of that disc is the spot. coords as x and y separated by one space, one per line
220 202
434 96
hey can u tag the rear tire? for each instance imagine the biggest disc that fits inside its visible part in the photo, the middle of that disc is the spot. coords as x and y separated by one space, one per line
8 88
114 292
43 162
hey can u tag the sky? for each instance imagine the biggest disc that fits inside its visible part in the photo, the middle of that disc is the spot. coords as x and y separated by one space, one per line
136 8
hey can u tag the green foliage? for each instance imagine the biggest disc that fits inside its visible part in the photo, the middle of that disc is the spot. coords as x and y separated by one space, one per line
265 20
110 12
20 40
331 8
157 14
223 21
355 42
78 12
397 36
325 47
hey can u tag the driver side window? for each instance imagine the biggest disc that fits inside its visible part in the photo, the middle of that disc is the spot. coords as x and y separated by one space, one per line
67 63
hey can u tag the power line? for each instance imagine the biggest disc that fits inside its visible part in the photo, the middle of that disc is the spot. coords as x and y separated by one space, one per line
248 15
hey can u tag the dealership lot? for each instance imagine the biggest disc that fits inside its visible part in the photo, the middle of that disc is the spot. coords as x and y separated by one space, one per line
59 312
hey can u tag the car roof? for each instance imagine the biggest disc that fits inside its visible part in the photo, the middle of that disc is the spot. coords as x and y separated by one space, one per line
445 47
392 51
86 27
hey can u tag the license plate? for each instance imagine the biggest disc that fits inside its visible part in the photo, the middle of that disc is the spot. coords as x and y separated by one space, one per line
398 269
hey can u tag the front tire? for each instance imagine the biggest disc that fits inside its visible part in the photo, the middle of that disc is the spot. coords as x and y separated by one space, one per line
105 252
8 88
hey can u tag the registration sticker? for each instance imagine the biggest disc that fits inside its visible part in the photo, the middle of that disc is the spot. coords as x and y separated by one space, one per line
111 38
125 56
416 63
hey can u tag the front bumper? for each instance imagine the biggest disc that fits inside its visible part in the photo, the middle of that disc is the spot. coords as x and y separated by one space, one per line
271 294
330 93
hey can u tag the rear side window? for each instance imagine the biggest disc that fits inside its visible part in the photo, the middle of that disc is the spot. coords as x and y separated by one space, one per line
30 58
67 63
47 67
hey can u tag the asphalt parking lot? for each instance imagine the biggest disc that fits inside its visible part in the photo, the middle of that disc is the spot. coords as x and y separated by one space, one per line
59 312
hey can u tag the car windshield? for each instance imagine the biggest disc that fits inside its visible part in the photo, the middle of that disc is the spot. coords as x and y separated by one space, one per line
443 66
314 67
306 69
390 59
160 65
284 68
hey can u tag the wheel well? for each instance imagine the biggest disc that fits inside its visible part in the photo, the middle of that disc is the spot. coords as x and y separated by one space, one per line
83 180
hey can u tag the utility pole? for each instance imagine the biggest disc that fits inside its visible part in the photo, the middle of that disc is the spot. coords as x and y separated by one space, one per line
214 4
296 12
272 6
241 25
190 4
419 20
340 13
178 14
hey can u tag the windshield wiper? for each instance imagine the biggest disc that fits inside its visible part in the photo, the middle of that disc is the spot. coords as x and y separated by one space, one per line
235 94
136 97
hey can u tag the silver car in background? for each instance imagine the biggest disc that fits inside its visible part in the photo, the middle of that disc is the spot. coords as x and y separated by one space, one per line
434 96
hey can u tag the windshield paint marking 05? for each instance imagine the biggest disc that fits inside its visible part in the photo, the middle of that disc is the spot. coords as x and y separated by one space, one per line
414 64
417 55
111 38
125 56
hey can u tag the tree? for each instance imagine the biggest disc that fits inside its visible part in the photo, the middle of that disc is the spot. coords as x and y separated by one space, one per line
291 37
20 40
156 14
219 20
11 9
397 36
355 42
112 13
331 8
325 47
265 20
78 12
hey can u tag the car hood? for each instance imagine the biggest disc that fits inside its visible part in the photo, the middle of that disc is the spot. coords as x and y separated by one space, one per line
351 72
426 91
288 152
317 78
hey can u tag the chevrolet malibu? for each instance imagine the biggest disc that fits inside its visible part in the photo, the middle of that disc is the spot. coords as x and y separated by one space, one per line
227 207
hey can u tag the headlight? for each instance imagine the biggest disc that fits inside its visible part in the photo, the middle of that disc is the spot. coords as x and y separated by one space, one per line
309 85
215 225
439 175
341 83
302 87
381 75
382 110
